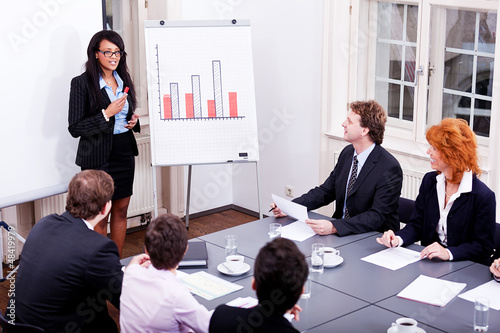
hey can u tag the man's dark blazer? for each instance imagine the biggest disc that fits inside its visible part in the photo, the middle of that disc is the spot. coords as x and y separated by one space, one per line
228 319
96 134
373 201
470 223
66 273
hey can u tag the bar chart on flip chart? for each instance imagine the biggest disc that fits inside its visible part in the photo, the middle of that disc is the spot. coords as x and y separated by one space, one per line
201 92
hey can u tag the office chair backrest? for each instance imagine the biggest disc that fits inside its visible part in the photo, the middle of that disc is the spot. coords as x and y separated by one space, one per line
406 207
18 328
496 253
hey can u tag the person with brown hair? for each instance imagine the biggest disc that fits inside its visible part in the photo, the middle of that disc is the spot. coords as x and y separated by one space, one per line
365 183
153 299
454 215
67 271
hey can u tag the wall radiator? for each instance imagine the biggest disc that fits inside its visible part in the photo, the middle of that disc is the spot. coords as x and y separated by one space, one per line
141 201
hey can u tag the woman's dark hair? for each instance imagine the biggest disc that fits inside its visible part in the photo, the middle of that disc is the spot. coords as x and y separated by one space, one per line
93 68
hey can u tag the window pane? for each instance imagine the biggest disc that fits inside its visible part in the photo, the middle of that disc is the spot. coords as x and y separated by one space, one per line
408 98
484 76
461 26
455 106
410 63
388 95
487 28
389 61
388 17
482 114
411 24
458 71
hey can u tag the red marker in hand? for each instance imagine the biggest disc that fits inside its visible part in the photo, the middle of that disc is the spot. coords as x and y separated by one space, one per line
125 91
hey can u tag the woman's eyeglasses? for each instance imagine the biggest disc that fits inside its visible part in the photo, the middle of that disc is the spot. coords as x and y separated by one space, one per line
108 54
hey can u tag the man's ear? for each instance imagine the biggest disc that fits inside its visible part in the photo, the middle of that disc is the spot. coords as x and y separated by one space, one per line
253 284
107 207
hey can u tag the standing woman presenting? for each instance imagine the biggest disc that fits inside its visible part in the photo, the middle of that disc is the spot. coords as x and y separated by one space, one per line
101 114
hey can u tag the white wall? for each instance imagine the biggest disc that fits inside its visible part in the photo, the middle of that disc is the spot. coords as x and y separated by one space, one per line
287 45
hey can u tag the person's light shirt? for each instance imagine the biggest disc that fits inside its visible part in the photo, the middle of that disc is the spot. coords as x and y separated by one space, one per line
88 225
120 117
441 228
362 157
155 300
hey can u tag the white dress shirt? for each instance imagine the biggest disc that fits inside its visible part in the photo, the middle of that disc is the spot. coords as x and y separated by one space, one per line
464 187
154 300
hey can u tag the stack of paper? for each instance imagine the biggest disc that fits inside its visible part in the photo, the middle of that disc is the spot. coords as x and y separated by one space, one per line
208 286
432 291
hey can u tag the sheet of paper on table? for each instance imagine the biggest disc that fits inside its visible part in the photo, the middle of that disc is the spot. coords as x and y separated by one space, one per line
489 290
250 302
209 286
432 291
298 230
244 302
393 258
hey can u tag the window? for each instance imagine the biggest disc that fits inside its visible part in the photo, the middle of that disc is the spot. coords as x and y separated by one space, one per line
453 45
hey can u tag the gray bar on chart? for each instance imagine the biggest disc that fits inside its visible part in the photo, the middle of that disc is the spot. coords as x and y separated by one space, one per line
217 88
195 86
174 95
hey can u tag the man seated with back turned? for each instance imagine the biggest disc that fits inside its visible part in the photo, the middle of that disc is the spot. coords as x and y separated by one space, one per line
365 183
67 271
280 271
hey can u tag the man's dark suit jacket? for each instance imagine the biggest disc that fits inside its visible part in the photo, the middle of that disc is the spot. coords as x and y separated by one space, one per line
66 273
96 134
373 201
228 319
470 224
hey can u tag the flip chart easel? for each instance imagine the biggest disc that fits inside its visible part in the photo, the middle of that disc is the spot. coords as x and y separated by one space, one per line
201 94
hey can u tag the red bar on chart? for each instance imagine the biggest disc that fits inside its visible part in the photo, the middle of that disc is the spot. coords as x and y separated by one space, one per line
233 104
189 106
167 107
211 108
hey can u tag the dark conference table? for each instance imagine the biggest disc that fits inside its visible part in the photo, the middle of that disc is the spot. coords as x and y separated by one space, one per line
355 296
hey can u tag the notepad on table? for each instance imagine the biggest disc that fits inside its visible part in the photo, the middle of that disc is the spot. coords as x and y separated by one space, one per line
196 255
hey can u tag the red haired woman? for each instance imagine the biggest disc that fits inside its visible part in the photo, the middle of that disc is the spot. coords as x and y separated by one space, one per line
454 215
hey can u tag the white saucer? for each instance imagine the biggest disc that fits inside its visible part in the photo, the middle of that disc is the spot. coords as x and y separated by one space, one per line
333 263
223 269
394 329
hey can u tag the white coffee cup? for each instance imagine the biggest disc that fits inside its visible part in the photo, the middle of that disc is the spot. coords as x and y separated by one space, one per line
235 262
331 255
405 325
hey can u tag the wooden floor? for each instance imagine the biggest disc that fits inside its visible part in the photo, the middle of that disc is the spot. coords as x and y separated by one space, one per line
134 242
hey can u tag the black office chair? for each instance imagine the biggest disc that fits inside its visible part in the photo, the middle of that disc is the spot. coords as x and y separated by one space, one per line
18 328
406 207
496 250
